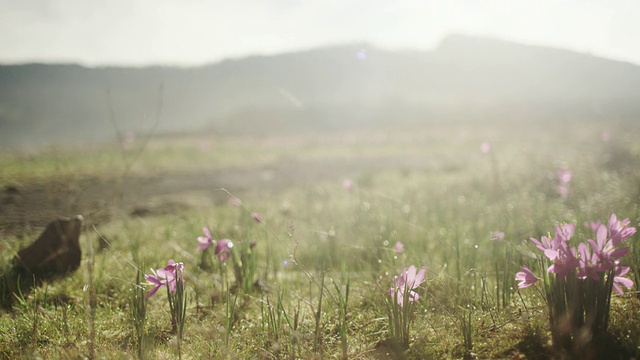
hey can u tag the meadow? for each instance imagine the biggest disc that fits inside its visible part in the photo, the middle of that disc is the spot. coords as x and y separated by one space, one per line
322 226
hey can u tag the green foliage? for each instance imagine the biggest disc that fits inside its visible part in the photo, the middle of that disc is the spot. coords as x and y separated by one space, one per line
442 204
138 309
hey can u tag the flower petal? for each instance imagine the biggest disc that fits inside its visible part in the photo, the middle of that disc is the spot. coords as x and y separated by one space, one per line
152 292
419 278
411 276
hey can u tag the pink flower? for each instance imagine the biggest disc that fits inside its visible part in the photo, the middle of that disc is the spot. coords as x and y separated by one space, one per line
165 277
605 249
590 263
347 184
257 218
170 272
619 230
564 260
620 279
526 278
406 283
155 280
205 240
606 136
564 232
593 225
497 235
564 176
544 244
399 247
550 246
223 249
485 147
608 239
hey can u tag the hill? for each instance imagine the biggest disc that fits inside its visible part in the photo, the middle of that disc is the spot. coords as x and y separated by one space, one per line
333 88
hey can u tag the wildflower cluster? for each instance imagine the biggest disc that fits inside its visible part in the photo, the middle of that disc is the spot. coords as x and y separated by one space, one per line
244 258
579 280
222 247
589 260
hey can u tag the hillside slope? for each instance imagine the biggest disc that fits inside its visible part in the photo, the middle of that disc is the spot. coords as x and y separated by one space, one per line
324 89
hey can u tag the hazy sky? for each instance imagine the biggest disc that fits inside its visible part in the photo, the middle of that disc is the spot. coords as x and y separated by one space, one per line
187 32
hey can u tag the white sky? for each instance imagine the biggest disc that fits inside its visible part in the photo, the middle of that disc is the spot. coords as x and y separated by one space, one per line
192 32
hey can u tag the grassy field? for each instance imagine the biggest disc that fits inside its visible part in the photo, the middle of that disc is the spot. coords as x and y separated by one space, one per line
318 268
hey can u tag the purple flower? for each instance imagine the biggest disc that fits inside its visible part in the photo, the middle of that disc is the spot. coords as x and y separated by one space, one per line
399 247
546 245
620 279
497 235
485 147
593 225
205 240
590 263
406 283
550 246
605 249
154 279
347 184
257 218
526 277
565 232
608 238
619 230
223 249
564 176
564 260
165 277
170 272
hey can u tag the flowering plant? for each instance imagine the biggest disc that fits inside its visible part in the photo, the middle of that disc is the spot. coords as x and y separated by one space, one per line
579 280
171 276
400 308
244 257
165 277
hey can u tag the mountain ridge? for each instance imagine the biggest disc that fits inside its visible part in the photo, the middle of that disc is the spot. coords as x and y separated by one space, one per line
322 89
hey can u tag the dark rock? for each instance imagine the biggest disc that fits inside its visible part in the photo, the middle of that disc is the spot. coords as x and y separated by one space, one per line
55 254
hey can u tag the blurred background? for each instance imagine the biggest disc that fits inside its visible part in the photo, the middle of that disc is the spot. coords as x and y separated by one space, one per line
76 72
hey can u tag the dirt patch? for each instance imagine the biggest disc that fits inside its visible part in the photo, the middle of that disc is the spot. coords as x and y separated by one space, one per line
33 205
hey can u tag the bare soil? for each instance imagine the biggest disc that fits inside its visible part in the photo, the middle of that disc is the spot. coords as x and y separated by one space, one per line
29 206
